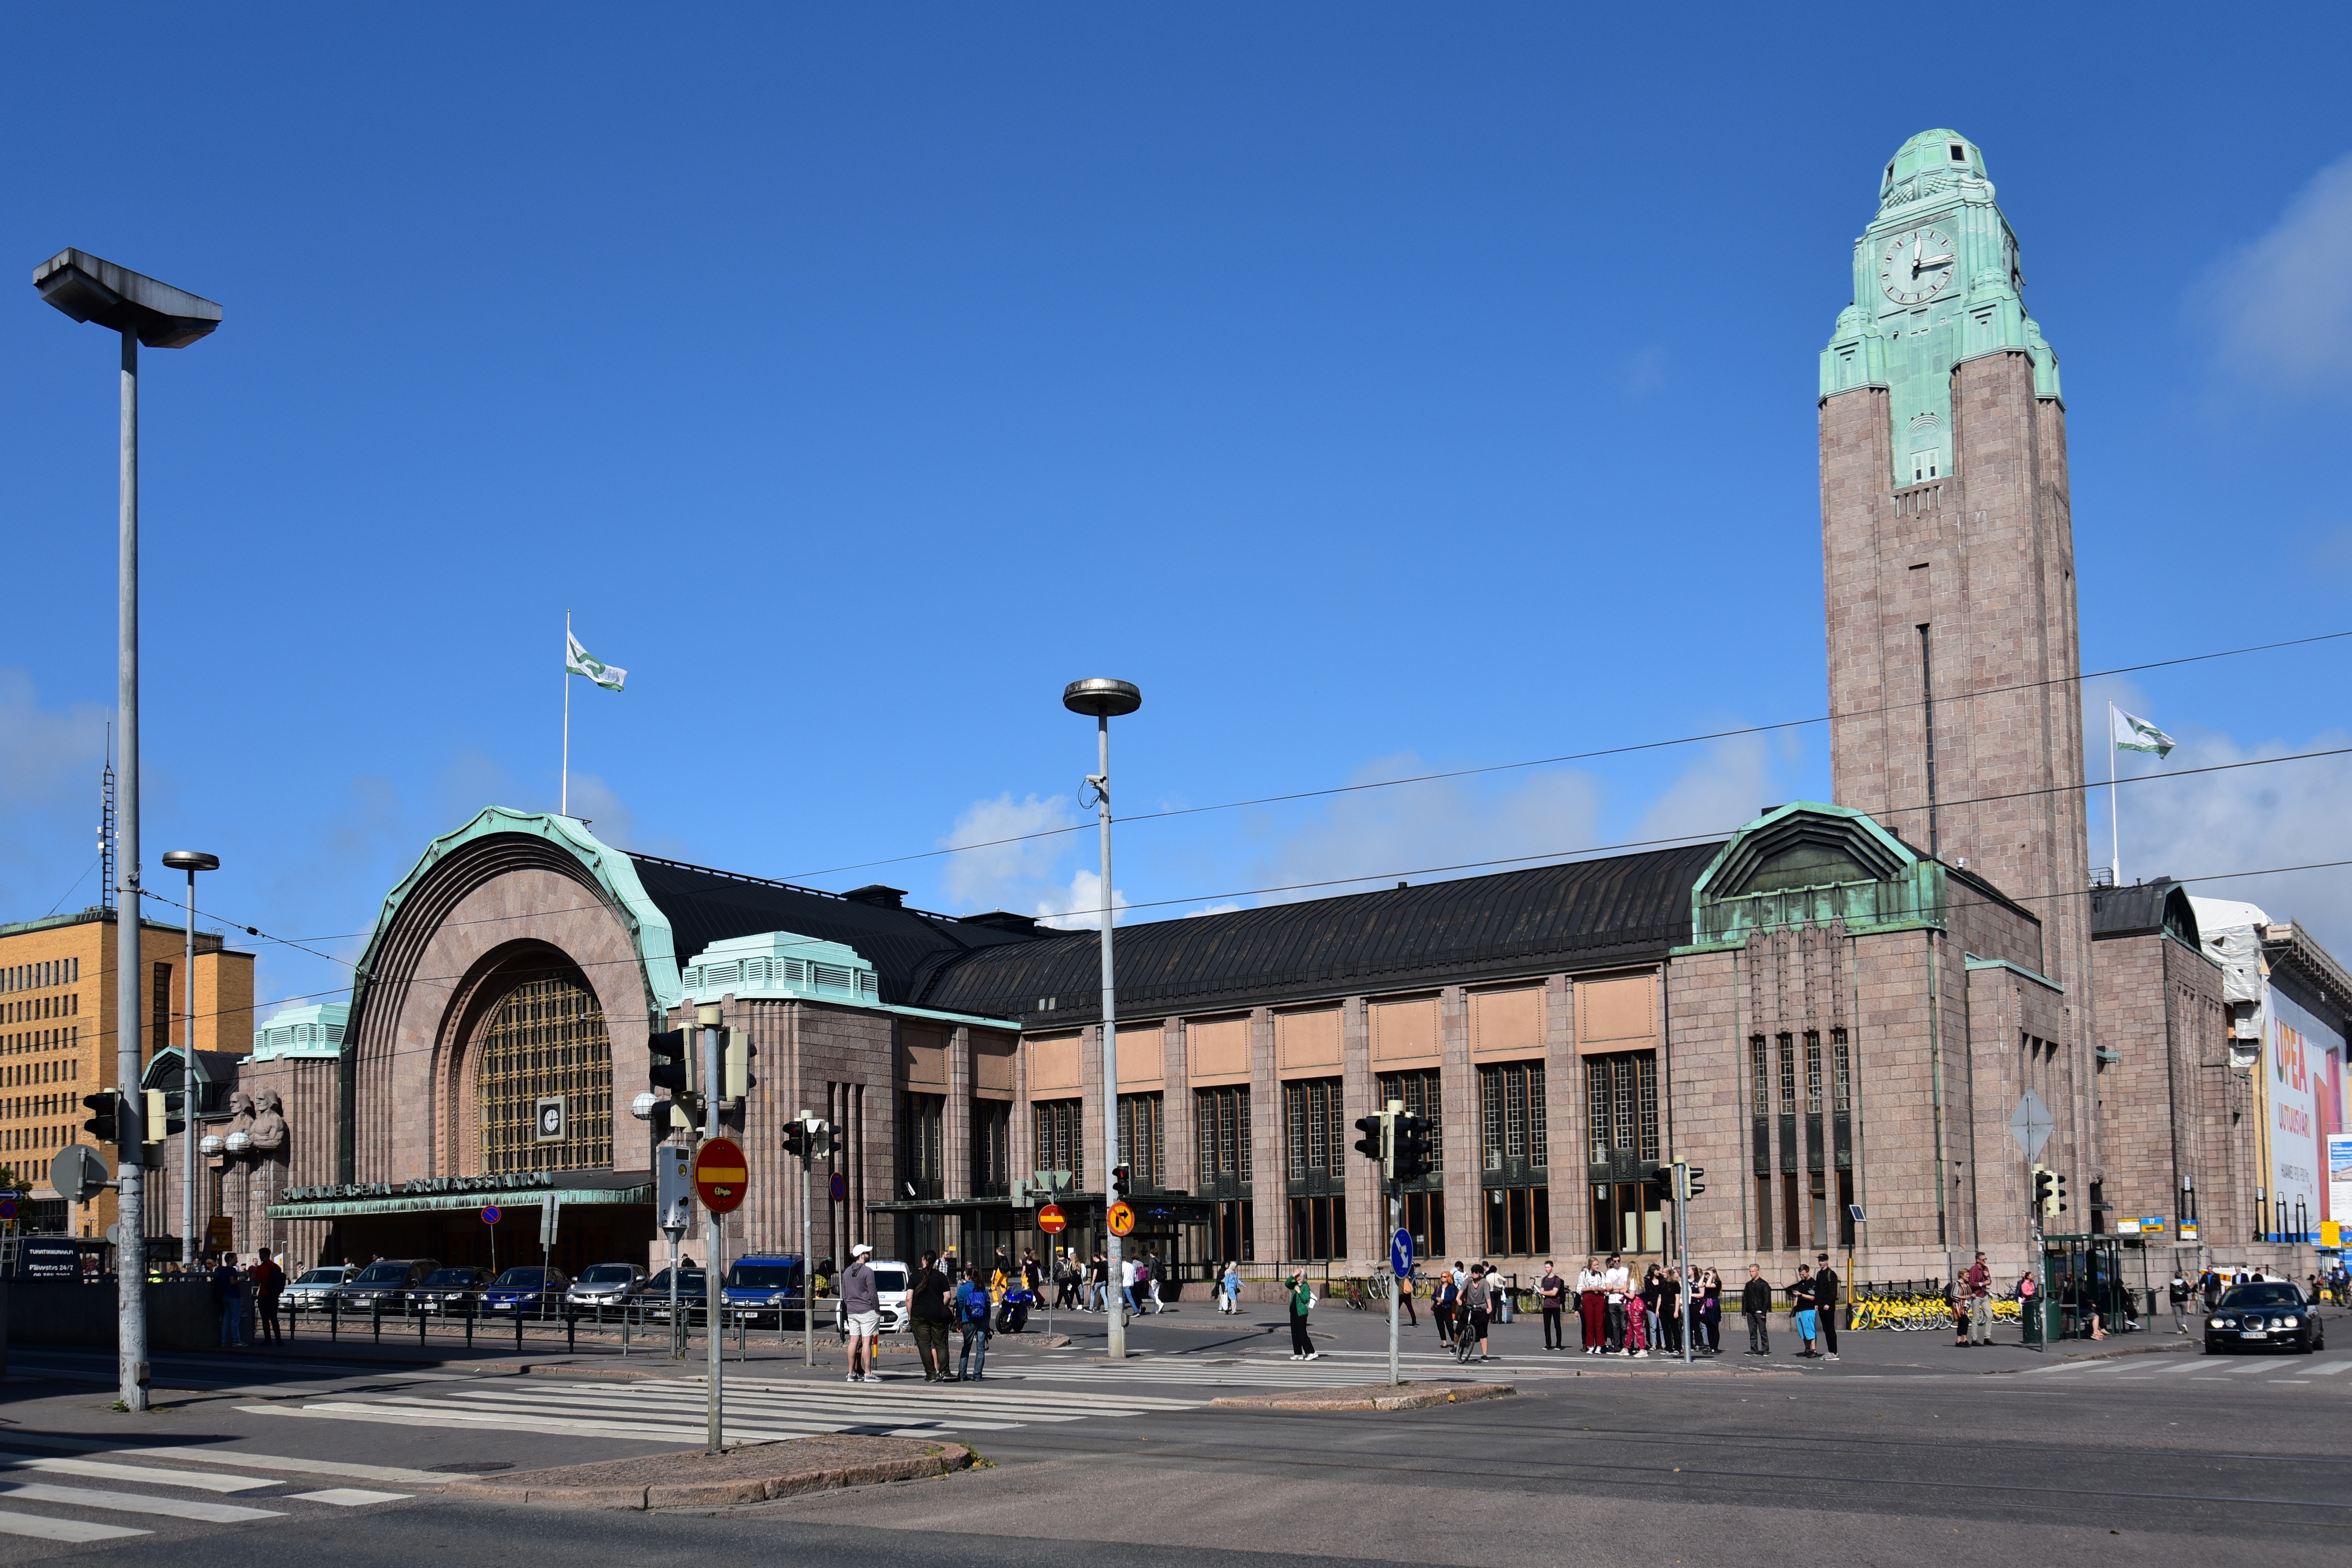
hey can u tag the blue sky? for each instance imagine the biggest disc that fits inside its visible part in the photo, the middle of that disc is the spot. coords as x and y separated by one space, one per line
1383 390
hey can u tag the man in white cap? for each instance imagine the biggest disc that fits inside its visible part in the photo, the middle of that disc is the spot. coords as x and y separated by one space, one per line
861 1311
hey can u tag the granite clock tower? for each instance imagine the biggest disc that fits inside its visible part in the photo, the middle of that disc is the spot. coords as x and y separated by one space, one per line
1949 561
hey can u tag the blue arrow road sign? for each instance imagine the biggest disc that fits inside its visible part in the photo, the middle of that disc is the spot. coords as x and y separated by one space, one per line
1400 1253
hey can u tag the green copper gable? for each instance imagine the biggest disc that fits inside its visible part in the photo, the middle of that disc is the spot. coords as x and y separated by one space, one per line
1937 281
1812 864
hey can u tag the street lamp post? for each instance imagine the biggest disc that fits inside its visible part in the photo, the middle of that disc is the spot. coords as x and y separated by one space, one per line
1104 701
143 311
191 861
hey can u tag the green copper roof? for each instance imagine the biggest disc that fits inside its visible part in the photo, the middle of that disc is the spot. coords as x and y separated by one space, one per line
611 870
1808 864
1938 280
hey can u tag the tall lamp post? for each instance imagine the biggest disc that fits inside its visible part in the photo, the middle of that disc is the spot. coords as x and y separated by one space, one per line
143 311
191 861
1103 701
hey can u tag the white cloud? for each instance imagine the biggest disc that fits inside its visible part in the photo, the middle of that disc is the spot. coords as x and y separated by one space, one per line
1078 906
2279 303
49 762
1727 786
1001 875
608 819
1412 828
2247 819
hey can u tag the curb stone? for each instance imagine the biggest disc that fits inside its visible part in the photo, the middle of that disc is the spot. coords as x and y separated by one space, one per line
1370 1396
756 1472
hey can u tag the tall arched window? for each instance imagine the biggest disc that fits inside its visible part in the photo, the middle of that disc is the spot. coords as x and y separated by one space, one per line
544 1085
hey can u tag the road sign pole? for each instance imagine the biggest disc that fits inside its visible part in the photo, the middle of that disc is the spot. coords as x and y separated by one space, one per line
1396 1284
712 1084
808 1251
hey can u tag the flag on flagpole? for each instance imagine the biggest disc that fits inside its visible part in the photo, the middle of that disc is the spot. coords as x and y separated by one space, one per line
2137 734
578 660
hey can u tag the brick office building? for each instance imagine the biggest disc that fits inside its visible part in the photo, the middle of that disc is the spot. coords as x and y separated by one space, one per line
1835 1012
58 1044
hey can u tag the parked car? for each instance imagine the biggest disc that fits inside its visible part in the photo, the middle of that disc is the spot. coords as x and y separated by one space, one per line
383 1286
764 1289
603 1285
526 1292
2271 1315
889 1287
311 1292
451 1292
692 1286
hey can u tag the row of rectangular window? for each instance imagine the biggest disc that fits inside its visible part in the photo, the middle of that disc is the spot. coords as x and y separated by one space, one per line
68 1005
33 976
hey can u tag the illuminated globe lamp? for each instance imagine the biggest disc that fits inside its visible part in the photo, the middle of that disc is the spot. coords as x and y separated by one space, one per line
213 1145
237 1143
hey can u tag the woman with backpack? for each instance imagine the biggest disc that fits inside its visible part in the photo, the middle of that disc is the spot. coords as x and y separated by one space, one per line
972 1308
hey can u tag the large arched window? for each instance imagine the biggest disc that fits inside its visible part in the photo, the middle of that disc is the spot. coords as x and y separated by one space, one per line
544 1082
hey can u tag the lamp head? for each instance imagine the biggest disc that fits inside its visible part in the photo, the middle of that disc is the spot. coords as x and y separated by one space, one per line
191 860
1101 698
90 289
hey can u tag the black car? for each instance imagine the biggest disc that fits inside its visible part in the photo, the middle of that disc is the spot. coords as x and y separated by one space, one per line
383 1286
2271 1315
450 1292
693 1285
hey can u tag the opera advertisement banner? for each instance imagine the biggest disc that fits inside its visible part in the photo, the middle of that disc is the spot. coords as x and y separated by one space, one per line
2296 1072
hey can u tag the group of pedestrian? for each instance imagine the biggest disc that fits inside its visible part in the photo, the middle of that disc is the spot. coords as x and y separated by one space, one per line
1467 1300
265 1282
939 1305
1813 1302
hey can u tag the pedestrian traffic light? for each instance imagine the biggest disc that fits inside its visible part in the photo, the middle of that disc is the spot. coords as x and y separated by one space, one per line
796 1139
1120 1178
2045 1199
1692 1184
105 1124
1368 1145
1409 1148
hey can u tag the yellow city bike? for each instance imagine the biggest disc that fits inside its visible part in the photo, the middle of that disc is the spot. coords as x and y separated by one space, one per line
1917 1313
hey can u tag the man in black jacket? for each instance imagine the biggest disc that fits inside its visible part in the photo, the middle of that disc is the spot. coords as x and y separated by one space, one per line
1825 1303
1755 1303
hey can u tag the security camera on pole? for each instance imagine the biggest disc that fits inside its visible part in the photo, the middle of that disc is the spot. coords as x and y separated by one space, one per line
1105 700
143 311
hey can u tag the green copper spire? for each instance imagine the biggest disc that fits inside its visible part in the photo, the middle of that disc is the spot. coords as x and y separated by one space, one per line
1937 281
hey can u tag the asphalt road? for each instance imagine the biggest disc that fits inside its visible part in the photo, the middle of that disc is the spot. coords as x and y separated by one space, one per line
1905 1448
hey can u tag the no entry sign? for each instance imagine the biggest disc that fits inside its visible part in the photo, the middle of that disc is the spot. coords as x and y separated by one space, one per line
721 1178
1050 1220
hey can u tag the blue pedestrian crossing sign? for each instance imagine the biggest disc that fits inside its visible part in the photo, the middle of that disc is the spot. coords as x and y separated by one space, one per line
1400 1253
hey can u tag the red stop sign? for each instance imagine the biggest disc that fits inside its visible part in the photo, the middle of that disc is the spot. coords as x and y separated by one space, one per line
1050 1220
721 1178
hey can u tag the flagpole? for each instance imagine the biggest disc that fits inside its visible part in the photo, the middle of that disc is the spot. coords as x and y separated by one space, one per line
563 789
2115 828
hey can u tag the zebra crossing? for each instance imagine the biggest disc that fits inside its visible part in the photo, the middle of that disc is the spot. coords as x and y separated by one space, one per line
763 1409
757 1409
97 1494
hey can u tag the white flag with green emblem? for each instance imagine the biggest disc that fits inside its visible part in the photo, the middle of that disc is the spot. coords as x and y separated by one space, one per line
578 660
2137 734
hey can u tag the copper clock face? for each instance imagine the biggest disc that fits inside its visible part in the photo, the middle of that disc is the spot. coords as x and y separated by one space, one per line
1918 266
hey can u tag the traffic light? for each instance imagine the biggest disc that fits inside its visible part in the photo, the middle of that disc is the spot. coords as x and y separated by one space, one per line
1119 1177
1692 1182
1368 1145
2058 1193
825 1140
672 1061
1409 1158
160 1125
2046 1194
796 1139
735 1050
105 1124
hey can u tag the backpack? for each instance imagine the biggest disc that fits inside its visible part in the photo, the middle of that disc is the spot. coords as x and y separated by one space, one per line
971 1303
